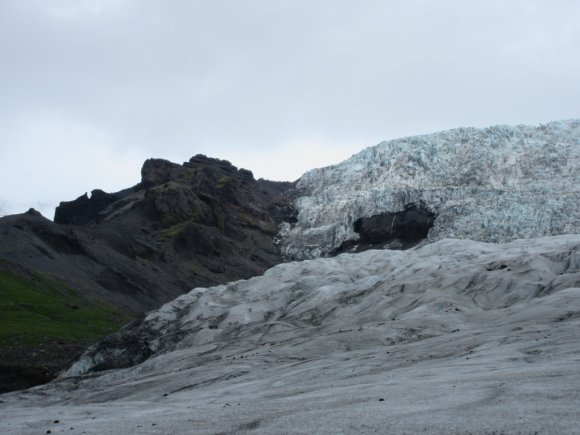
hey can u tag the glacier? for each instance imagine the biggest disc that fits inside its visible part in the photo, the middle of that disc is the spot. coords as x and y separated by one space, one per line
495 185
469 326
456 336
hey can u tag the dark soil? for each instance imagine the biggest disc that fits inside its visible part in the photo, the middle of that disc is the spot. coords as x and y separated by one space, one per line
26 367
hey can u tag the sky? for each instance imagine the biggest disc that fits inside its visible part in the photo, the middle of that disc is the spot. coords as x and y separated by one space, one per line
89 89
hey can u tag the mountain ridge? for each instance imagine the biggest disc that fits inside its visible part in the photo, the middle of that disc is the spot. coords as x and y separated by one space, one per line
186 213
201 223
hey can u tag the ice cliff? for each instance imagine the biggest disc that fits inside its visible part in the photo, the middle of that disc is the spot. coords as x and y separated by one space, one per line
495 184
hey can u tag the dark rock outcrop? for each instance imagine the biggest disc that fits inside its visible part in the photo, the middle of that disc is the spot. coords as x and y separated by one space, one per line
400 230
84 209
202 223
408 226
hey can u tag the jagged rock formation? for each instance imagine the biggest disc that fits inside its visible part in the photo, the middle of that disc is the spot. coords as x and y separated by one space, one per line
202 223
84 209
495 184
453 337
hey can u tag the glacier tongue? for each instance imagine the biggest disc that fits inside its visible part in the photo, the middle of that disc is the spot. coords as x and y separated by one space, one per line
313 299
495 185
453 337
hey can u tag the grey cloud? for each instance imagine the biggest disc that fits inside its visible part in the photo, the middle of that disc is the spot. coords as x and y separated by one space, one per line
254 78
3 207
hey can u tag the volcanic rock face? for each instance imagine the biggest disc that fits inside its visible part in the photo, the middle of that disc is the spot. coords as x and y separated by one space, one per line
496 184
84 209
201 223
453 337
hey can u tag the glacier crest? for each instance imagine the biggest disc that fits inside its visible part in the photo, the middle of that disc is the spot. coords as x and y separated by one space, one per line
494 185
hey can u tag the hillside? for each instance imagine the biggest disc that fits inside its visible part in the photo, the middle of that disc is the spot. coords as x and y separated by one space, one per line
202 223
44 325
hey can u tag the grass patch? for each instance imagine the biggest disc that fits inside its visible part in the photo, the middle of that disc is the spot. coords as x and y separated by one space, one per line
35 310
177 228
224 182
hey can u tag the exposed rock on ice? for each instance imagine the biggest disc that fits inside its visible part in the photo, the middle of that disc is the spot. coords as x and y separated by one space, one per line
399 230
453 337
495 184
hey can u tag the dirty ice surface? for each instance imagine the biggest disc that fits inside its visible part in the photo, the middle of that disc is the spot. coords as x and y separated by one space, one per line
453 337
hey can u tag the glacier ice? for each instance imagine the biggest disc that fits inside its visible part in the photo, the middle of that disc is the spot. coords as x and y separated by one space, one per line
495 185
453 337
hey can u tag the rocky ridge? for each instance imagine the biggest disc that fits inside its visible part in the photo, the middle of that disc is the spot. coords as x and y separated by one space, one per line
495 185
202 223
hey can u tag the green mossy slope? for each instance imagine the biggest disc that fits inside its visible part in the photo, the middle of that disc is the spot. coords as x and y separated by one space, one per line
44 325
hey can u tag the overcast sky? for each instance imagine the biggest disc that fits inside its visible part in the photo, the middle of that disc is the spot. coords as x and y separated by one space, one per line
91 88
